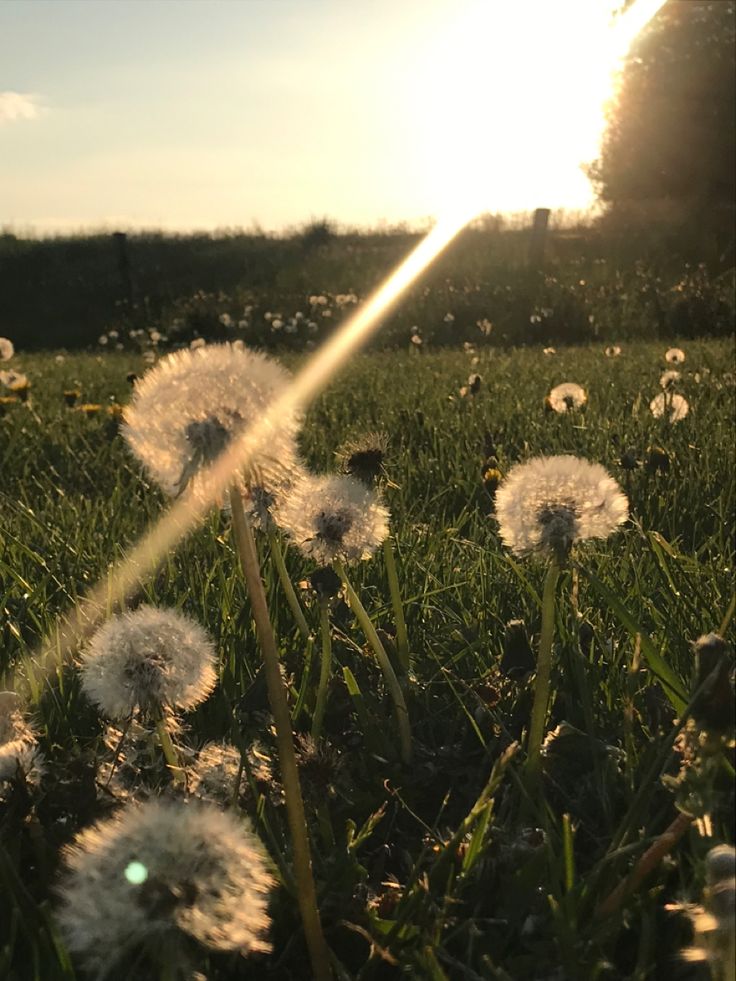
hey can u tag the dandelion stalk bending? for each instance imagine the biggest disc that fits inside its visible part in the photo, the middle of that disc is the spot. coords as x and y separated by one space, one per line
336 521
325 668
164 737
545 506
402 713
153 661
291 598
402 640
306 892
544 668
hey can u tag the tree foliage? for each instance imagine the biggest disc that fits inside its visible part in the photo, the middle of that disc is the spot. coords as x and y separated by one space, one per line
667 158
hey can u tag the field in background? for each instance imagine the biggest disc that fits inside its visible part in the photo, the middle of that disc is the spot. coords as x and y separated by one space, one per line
73 500
598 283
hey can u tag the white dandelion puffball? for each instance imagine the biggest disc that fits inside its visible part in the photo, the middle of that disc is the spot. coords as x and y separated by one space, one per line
675 355
19 755
267 487
186 410
549 351
668 378
158 872
567 397
148 659
213 774
549 503
613 351
6 349
333 518
675 407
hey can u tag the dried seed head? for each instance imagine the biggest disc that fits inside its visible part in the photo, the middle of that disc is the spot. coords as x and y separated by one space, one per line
518 658
364 457
325 582
657 460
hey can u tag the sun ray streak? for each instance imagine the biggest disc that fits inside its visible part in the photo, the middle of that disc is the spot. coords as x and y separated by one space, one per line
123 580
184 515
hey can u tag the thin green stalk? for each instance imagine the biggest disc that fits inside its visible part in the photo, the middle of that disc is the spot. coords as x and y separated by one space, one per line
402 713
306 892
402 640
287 585
164 737
544 669
325 669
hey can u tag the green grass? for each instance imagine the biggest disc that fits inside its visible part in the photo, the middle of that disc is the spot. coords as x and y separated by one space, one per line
420 872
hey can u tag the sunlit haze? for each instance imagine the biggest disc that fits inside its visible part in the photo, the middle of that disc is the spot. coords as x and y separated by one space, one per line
182 115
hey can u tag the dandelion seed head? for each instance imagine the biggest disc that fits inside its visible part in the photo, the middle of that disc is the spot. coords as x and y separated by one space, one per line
675 406
668 378
14 380
549 503
613 351
148 659
7 350
567 397
213 774
333 518
160 871
190 407
19 754
131 766
364 457
674 355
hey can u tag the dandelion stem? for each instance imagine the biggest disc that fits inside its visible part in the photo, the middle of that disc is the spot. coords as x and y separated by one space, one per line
402 640
306 892
164 737
402 713
544 668
287 585
324 671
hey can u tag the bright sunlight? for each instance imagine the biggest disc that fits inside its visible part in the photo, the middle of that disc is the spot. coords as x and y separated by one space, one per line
510 103
554 174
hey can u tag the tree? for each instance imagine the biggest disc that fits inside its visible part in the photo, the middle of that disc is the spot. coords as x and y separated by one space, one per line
668 156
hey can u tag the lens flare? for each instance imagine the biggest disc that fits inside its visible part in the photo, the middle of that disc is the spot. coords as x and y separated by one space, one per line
508 104
113 591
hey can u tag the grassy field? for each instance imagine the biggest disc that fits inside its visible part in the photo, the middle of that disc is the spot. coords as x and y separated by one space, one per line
424 871
597 284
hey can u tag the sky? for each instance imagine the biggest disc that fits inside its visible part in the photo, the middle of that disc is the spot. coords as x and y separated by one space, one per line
214 114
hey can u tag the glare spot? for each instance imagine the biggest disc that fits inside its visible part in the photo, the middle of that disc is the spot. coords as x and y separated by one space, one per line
136 873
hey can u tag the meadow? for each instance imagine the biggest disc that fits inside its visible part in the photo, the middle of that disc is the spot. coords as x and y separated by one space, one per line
598 283
450 867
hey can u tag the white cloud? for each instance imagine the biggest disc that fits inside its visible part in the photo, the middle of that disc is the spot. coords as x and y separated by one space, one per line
18 105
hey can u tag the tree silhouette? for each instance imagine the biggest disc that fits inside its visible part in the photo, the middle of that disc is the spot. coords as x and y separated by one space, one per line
667 159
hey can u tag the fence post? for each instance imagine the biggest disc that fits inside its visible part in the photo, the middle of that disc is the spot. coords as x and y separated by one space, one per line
538 239
121 247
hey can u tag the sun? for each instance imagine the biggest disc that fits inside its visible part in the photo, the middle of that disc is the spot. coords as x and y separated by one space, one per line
508 104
